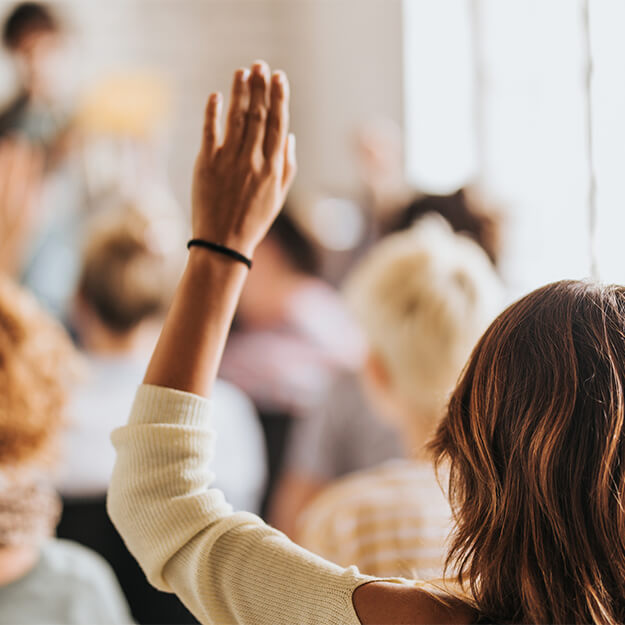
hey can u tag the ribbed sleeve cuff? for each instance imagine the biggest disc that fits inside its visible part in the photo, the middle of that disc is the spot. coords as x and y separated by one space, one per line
162 405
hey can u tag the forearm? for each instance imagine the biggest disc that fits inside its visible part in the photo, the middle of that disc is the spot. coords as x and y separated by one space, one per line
189 349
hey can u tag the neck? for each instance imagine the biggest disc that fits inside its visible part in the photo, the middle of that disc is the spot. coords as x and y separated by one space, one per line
137 342
417 428
15 562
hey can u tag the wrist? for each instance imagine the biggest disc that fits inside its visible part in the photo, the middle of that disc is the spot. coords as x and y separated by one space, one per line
207 261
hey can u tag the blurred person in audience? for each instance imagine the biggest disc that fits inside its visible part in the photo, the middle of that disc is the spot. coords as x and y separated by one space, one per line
36 39
130 266
42 114
423 297
42 579
338 434
392 204
333 440
289 312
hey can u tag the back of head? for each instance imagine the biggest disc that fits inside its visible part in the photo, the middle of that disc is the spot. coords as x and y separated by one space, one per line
423 298
27 18
127 274
535 434
464 214
296 247
37 366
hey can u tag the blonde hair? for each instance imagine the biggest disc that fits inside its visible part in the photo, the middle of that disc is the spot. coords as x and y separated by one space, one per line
423 297
38 364
127 275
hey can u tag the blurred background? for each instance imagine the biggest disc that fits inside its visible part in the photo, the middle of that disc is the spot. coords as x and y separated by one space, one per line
505 117
481 91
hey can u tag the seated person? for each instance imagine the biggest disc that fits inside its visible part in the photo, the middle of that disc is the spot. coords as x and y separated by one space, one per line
423 297
341 432
392 204
125 287
42 579
36 39
289 312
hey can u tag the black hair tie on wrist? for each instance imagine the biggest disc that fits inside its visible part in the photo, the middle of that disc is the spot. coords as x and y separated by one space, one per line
220 249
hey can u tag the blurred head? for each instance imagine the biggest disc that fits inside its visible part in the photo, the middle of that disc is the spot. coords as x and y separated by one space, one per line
128 273
38 364
34 35
535 438
284 259
423 297
464 213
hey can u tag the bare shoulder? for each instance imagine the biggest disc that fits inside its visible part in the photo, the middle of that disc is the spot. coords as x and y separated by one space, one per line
386 603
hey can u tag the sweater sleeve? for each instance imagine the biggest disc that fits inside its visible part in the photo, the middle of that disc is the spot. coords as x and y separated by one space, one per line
226 567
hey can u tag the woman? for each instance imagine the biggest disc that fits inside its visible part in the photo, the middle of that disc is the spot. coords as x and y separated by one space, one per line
534 434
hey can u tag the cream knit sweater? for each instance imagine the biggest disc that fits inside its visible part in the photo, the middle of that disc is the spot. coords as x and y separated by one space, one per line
226 567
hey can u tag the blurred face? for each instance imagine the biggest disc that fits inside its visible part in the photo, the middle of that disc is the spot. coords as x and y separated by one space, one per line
45 64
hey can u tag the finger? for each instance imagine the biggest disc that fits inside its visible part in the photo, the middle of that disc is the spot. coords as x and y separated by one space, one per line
290 162
278 120
257 114
212 119
237 113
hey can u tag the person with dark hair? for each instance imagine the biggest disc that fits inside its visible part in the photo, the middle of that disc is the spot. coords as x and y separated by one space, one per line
392 204
35 38
299 250
459 211
288 311
41 116
25 20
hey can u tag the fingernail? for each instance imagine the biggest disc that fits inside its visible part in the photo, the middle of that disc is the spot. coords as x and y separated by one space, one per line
260 67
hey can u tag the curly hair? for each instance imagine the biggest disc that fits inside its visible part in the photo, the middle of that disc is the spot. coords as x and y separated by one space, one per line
535 437
38 364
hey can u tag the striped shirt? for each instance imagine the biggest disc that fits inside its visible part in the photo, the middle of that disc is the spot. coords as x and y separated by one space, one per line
392 520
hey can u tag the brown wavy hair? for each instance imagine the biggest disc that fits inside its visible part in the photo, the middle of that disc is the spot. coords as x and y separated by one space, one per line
535 439
38 365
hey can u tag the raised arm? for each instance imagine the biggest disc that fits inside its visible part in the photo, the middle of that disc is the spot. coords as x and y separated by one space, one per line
239 185
226 567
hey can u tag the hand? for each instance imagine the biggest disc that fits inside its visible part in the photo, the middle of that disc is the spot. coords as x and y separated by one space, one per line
21 171
240 184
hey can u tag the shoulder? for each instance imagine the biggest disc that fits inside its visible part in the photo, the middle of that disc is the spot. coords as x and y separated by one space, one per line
386 603
75 564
